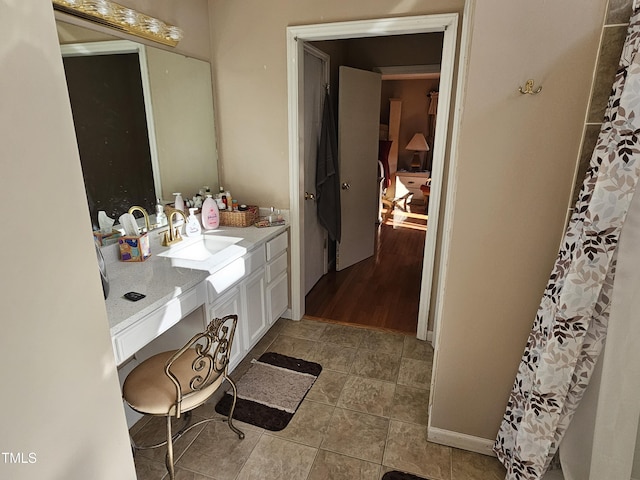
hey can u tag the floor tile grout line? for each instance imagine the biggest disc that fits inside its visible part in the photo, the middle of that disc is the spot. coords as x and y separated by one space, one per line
315 457
386 443
260 434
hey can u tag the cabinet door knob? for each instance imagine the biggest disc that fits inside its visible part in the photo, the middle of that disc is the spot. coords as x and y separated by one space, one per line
309 196
346 185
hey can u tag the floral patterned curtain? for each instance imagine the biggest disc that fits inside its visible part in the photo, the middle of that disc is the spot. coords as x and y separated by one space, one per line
570 326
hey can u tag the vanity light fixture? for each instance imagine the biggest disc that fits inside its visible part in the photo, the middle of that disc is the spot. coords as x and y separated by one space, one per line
111 14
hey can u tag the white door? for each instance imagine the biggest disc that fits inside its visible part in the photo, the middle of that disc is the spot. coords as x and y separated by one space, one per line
358 133
314 235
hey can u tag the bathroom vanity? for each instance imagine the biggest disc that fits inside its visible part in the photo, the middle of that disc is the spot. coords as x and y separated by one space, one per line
252 282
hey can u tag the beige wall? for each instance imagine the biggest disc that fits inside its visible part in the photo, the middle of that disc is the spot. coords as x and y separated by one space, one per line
514 178
249 62
61 399
414 118
515 166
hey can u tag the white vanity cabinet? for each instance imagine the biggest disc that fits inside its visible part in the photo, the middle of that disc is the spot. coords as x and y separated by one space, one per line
252 291
256 288
277 276
181 300
230 304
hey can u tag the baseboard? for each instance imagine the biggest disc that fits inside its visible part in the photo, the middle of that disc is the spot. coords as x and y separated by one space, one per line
461 440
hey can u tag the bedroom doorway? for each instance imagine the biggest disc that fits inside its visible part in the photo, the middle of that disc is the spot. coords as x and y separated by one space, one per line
296 37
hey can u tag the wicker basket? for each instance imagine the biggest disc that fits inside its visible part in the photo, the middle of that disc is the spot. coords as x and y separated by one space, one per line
239 219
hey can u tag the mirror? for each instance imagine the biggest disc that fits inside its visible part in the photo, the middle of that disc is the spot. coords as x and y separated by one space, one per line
175 144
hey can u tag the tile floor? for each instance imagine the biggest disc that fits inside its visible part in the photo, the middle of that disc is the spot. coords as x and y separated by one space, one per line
365 415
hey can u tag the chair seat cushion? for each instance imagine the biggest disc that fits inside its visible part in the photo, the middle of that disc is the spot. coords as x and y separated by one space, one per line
148 389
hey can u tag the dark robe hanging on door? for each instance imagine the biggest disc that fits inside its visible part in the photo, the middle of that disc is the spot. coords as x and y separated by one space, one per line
327 174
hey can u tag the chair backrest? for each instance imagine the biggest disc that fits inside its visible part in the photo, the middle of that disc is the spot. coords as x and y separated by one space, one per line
202 360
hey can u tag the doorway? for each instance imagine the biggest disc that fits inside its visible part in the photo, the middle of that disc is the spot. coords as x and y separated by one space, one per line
382 288
296 37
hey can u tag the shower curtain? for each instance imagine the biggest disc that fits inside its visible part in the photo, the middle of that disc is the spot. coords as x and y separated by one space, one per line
570 326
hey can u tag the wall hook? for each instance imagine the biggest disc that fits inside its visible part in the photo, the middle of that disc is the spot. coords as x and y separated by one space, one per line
528 88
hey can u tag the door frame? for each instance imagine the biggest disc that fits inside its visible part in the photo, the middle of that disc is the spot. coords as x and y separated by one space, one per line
296 36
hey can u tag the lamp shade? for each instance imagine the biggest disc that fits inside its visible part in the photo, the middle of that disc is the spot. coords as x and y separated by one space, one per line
418 143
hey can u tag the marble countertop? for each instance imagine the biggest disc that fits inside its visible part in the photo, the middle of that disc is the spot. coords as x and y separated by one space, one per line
158 279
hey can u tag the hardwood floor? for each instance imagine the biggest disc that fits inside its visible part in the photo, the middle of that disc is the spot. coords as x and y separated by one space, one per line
382 291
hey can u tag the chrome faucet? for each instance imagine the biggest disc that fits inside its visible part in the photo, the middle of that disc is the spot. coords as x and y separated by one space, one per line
172 235
144 214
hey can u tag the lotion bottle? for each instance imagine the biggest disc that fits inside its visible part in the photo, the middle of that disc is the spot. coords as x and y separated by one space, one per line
193 228
210 214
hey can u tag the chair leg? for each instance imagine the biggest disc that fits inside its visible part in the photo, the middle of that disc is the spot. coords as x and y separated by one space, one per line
169 458
233 407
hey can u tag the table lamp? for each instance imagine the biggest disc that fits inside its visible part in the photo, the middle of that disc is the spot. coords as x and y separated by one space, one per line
418 144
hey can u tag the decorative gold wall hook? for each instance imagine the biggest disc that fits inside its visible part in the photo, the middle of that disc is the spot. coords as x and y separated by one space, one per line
528 88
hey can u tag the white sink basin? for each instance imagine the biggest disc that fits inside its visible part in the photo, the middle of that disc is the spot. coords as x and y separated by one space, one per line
206 252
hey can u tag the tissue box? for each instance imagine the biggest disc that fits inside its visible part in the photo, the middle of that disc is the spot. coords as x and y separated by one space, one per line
134 249
104 239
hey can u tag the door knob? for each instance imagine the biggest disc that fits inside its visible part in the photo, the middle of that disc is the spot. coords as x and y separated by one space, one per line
309 196
346 186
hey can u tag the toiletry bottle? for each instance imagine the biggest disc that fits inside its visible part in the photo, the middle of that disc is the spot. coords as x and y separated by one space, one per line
210 214
225 200
229 200
161 217
178 202
272 215
193 228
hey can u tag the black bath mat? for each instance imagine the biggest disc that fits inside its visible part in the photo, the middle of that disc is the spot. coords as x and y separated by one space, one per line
271 390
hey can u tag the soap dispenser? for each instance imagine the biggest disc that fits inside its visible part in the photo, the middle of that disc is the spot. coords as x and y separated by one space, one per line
193 228
210 214
161 217
178 203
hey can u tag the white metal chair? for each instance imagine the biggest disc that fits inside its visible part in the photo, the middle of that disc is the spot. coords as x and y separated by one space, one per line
174 383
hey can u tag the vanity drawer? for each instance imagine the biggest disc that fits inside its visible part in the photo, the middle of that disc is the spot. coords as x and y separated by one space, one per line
227 276
276 267
277 246
148 328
